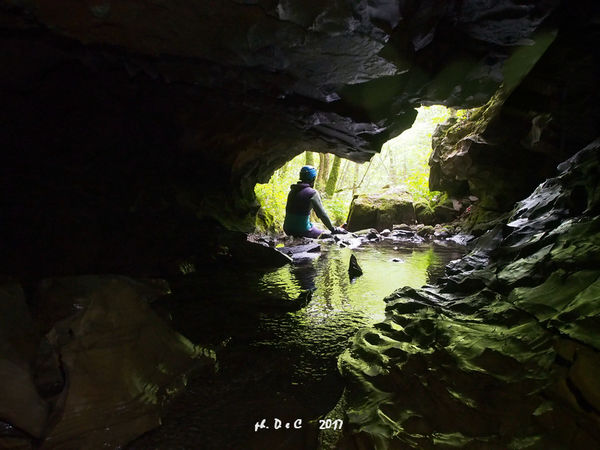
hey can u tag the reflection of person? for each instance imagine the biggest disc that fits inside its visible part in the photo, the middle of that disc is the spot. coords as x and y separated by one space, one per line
301 199
306 274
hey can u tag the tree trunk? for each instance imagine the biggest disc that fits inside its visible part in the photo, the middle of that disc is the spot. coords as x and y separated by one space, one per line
324 163
333 176
355 180
392 177
310 158
343 178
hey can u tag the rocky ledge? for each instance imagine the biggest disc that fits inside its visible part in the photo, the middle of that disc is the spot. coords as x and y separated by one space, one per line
503 353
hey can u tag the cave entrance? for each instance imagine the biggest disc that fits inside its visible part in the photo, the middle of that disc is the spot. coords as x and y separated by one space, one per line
400 168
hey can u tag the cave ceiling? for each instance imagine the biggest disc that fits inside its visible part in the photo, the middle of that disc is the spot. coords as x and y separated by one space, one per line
334 75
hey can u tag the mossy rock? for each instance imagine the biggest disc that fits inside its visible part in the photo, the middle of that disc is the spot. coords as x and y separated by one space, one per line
380 211
444 214
427 230
424 214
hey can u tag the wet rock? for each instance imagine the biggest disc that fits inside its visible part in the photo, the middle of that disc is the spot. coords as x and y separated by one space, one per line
367 233
490 344
306 248
525 270
585 376
244 252
121 362
551 297
471 272
13 439
354 270
20 403
424 367
427 230
442 233
60 298
380 211
408 236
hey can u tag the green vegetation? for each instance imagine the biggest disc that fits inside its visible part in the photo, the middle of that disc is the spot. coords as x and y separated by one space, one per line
402 166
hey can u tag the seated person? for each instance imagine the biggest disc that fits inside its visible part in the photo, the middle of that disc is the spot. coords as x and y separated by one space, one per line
301 200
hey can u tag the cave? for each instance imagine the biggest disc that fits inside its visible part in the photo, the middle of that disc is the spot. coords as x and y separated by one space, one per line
133 135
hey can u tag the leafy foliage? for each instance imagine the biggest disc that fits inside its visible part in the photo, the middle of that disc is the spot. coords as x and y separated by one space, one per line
402 165
337 208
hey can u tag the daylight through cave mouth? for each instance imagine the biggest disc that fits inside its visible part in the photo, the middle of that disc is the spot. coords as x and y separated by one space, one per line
399 169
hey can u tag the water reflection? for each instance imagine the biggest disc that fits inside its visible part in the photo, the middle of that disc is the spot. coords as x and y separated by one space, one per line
319 332
386 269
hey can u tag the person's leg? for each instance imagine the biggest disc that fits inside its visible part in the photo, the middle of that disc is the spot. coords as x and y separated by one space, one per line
314 232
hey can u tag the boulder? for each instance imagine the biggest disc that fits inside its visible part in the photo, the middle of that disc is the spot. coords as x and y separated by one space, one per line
122 362
242 251
380 211
424 214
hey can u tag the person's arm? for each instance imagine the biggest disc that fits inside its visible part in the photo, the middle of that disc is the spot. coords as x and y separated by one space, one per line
320 211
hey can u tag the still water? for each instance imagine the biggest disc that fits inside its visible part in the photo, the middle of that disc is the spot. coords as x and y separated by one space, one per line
281 364
339 305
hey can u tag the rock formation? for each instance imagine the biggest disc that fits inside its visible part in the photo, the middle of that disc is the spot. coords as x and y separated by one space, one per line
104 369
120 114
505 351
511 144
380 211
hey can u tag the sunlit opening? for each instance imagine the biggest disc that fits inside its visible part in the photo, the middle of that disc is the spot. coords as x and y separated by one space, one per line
401 166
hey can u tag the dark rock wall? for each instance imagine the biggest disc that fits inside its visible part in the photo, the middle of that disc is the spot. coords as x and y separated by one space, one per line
504 352
548 116
92 365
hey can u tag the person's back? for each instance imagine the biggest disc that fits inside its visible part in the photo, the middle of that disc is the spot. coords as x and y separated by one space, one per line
301 200
297 209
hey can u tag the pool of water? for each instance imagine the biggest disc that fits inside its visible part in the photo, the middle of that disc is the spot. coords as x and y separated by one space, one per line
278 364
340 306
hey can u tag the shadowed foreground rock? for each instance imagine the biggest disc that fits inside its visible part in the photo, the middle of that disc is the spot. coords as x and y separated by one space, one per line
504 353
121 362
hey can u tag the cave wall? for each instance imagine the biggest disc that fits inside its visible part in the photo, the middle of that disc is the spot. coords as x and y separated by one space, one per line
120 115
501 153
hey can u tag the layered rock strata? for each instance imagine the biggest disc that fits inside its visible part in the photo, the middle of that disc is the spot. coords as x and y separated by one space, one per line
504 353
